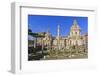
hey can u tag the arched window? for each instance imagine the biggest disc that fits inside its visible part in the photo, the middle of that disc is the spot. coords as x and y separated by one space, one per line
76 33
70 42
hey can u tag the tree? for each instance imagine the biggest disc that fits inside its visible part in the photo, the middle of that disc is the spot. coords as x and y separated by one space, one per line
36 55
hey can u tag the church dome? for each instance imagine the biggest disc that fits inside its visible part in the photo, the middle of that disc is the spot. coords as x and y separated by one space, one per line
75 26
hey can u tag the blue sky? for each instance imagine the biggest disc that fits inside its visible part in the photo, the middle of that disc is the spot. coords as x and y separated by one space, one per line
41 23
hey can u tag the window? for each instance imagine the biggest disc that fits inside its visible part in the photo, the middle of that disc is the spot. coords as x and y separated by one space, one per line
76 33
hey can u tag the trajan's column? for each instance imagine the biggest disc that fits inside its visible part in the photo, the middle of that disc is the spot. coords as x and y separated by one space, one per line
58 36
